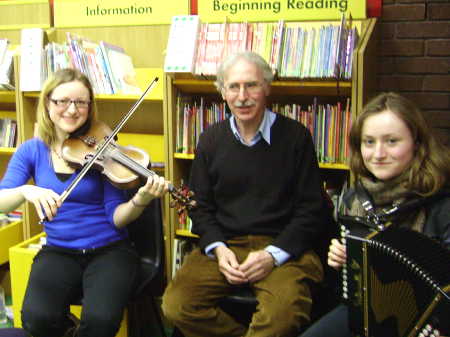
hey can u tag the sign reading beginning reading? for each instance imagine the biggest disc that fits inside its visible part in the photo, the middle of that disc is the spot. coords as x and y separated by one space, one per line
274 10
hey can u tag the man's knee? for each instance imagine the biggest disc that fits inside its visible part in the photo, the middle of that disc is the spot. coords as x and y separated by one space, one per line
172 303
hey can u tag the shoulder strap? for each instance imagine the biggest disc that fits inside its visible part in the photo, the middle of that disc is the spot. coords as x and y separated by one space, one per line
380 218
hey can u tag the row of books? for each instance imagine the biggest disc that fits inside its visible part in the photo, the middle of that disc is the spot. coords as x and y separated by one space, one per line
181 248
192 118
107 66
8 132
293 49
6 66
324 52
329 124
7 218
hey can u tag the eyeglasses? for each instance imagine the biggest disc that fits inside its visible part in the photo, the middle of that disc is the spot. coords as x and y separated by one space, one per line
65 103
250 87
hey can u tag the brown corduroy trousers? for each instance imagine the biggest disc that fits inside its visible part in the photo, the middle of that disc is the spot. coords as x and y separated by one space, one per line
191 300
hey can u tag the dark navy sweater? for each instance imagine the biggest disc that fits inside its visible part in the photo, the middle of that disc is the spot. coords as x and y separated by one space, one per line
264 189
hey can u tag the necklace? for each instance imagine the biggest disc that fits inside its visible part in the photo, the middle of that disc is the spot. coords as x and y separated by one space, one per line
59 156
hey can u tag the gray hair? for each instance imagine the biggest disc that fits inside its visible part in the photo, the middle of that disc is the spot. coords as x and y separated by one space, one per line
249 56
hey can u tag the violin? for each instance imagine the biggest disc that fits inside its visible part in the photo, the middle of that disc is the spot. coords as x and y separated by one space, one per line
122 165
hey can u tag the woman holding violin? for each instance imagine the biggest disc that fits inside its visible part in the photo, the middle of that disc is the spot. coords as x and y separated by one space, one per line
87 249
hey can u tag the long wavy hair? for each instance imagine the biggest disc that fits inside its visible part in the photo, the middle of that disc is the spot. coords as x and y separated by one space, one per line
429 170
45 127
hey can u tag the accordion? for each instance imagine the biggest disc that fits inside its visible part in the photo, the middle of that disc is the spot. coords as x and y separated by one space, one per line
396 282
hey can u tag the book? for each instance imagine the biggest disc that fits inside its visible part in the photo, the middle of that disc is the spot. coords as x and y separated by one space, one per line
182 44
212 49
31 60
3 48
181 248
13 134
120 69
6 71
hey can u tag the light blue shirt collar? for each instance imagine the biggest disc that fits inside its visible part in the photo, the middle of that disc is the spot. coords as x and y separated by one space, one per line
263 130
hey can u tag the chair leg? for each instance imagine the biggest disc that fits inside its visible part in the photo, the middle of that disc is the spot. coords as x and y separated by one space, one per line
157 316
142 319
176 332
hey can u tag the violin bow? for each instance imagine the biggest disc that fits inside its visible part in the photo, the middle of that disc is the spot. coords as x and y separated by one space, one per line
108 140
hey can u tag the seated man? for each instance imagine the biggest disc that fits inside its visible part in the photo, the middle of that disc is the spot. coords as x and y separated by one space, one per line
260 209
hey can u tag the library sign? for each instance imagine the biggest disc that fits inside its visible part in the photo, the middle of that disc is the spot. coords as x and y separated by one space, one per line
88 13
274 10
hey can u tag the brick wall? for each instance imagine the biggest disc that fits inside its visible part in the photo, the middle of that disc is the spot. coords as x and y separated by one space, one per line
414 56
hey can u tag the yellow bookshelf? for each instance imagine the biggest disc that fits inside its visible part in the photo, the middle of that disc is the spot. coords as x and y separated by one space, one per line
185 233
7 97
21 258
10 235
358 90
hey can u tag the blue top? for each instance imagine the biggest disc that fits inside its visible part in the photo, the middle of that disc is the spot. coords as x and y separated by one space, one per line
85 219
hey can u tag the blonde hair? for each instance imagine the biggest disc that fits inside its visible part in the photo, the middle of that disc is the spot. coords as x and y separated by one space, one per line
430 168
45 127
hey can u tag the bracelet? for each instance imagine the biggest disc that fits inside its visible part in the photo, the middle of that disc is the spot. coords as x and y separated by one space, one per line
135 204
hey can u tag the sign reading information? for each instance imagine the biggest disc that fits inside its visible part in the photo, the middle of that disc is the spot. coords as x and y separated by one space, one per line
274 10
88 13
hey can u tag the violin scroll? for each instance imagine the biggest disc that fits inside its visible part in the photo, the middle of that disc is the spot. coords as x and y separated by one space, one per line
182 198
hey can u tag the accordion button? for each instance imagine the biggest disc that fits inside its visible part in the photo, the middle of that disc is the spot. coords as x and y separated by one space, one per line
428 327
421 335
437 333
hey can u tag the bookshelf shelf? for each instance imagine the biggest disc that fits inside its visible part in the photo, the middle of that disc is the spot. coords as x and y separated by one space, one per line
187 156
7 150
322 88
185 233
7 96
334 166
330 166
103 97
143 77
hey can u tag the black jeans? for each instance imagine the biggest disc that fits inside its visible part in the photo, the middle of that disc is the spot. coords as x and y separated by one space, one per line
105 276
333 324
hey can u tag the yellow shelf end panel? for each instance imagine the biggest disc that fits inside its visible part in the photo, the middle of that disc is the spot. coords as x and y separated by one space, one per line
10 235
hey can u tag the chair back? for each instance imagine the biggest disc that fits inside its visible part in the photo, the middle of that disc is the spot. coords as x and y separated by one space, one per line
146 233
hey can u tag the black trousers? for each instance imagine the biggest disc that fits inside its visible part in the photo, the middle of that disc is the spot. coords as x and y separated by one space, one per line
105 276
333 324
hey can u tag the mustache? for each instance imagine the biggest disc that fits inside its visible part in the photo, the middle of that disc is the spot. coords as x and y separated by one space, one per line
244 104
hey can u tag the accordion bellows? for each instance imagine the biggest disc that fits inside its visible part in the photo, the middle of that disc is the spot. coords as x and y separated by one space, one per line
397 284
